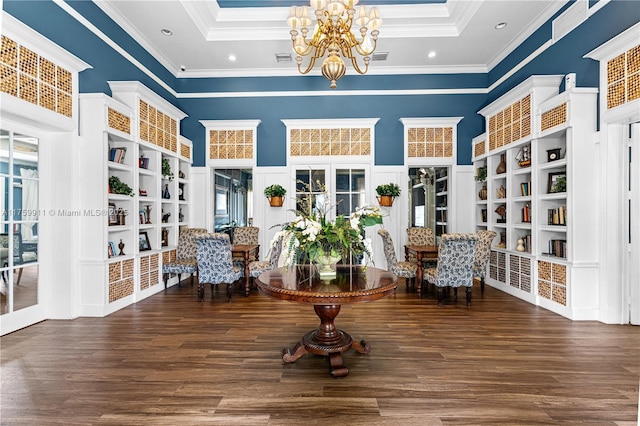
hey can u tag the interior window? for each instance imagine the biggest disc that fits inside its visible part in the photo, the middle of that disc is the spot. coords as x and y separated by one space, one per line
233 189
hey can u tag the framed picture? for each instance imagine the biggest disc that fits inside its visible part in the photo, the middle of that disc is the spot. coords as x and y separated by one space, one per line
144 242
113 214
557 182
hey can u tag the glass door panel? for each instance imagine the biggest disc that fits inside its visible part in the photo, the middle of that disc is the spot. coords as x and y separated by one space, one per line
19 195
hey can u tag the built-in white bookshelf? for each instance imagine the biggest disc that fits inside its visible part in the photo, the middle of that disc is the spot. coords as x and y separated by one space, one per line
122 249
539 151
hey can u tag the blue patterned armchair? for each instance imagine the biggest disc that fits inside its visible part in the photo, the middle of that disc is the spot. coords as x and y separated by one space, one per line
185 262
215 265
406 270
259 266
456 257
483 250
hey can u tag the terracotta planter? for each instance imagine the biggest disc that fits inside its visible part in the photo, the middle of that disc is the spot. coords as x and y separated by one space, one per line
276 201
385 200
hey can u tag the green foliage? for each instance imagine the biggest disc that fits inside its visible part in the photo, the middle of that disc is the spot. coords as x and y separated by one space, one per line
274 190
119 187
389 189
481 176
166 170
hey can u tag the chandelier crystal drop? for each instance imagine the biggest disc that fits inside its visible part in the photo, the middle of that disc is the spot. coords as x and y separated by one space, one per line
332 36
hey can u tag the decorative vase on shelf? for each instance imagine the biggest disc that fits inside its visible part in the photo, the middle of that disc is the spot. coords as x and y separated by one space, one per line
483 193
502 167
326 266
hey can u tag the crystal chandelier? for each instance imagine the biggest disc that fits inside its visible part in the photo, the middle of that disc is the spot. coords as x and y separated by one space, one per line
332 34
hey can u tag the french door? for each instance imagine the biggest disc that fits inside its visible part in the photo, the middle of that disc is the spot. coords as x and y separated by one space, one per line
346 185
20 295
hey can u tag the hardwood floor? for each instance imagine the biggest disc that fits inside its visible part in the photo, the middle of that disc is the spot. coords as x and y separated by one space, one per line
172 360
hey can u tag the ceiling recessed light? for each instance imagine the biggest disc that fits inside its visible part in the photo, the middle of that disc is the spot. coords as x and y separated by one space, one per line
431 54
500 25
232 58
166 32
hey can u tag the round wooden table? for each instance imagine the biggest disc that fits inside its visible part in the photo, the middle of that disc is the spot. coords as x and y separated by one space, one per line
352 284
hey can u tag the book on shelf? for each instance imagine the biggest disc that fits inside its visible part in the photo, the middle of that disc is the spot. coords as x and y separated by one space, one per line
116 155
557 216
143 163
111 249
526 214
525 189
558 248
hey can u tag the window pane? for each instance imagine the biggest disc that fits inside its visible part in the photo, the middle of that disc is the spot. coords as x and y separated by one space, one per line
357 180
343 208
342 180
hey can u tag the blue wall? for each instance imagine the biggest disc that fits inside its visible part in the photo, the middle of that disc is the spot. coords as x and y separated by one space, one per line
563 57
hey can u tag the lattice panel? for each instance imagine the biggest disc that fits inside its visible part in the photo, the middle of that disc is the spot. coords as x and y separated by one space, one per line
35 79
554 117
479 149
552 281
157 127
168 256
330 142
149 271
185 151
430 142
497 266
623 78
120 279
231 144
118 121
520 272
511 124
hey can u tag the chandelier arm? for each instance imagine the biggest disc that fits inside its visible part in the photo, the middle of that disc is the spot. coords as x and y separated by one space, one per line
362 52
312 61
357 68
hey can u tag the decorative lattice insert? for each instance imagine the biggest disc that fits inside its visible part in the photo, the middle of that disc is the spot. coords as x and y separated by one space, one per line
168 256
511 124
118 121
552 281
230 144
185 151
28 76
157 127
554 117
623 78
149 275
479 149
120 280
497 266
330 142
430 142
520 272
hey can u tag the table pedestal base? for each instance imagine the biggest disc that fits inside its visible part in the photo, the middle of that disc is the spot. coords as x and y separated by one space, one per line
328 341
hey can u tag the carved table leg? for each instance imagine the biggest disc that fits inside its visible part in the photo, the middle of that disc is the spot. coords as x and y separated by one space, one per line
298 351
361 347
338 369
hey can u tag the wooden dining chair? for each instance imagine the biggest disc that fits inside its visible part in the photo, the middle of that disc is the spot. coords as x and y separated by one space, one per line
421 237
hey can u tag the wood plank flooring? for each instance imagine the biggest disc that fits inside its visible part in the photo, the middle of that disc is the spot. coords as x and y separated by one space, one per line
171 360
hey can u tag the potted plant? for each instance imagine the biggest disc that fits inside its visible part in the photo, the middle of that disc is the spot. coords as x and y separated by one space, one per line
386 193
116 186
481 174
275 194
166 170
